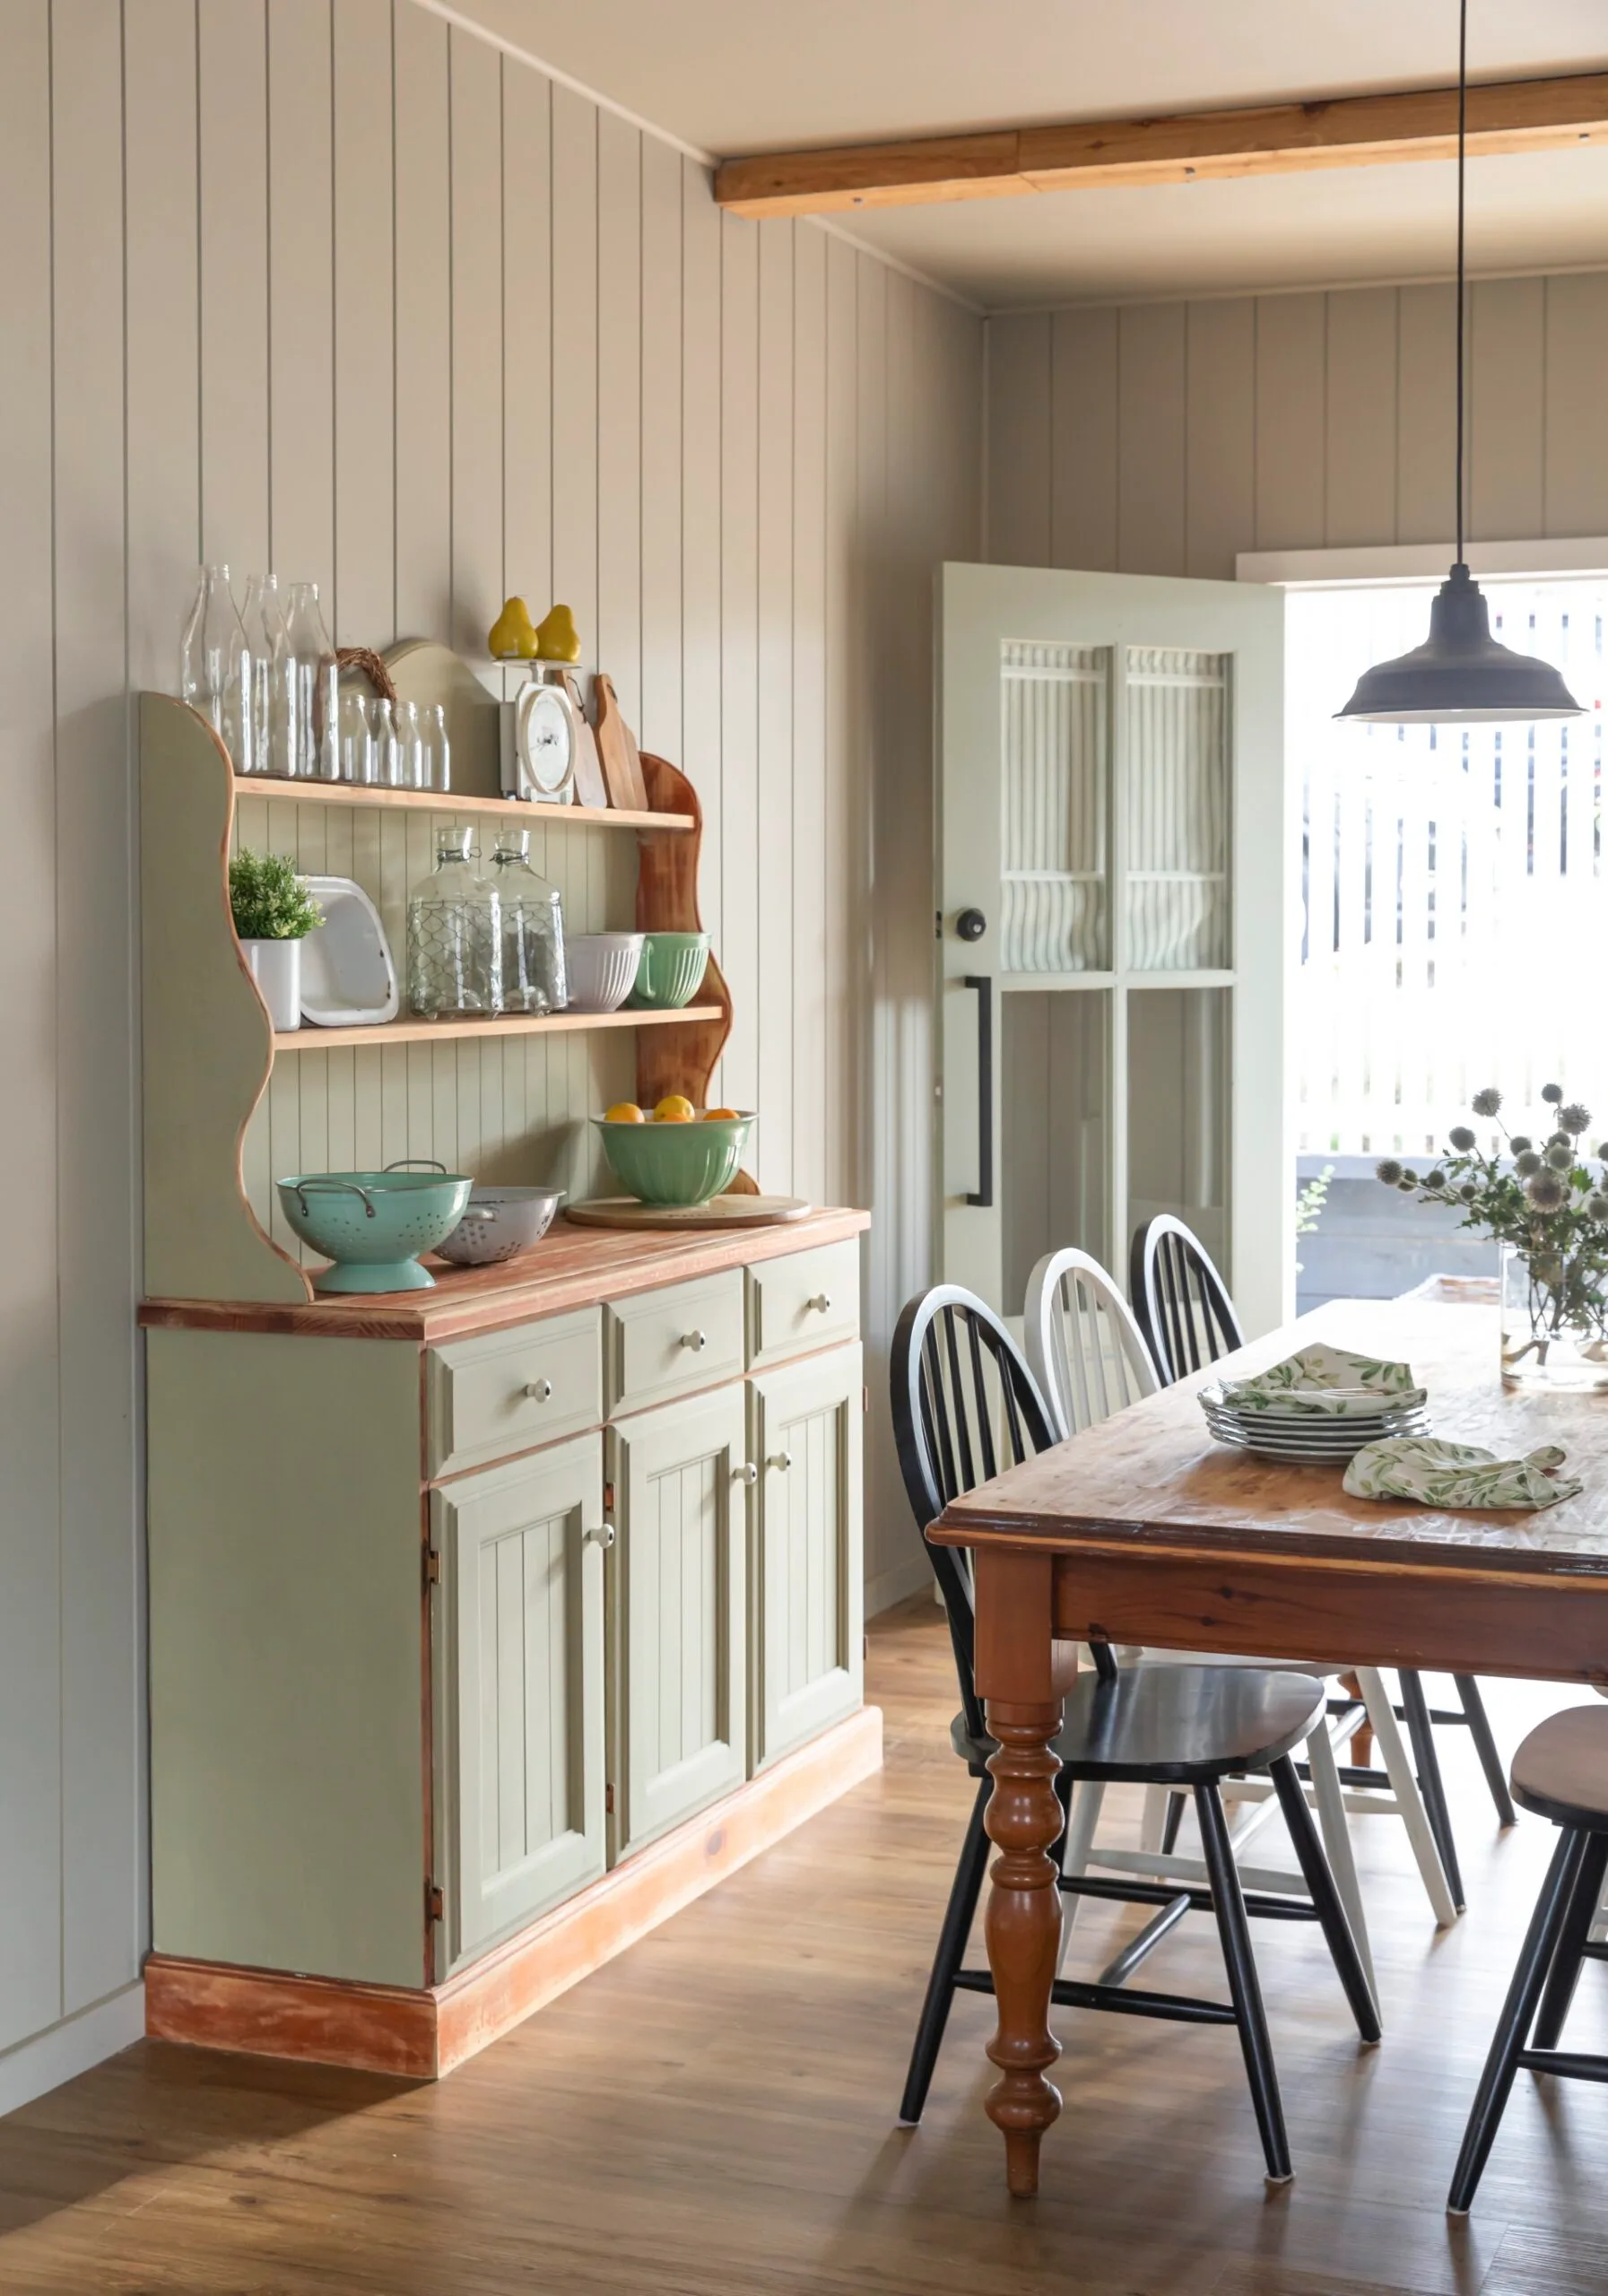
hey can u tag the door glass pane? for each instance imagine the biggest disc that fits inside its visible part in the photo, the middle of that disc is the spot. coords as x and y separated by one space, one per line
1055 740
1177 809
1054 1124
1179 1111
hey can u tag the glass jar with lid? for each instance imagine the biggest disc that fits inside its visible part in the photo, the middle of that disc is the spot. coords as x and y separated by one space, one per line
455 936
533 929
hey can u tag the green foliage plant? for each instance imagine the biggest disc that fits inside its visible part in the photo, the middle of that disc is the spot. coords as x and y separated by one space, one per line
268 900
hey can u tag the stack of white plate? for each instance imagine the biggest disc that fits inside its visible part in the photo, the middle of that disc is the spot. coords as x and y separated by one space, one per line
1288 1432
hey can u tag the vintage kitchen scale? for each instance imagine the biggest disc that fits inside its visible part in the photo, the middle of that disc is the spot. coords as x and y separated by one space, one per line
549 750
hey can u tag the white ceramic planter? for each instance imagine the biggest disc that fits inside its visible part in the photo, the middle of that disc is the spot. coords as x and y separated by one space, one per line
276 966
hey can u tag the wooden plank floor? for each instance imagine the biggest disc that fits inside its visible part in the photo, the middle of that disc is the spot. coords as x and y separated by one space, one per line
713 2114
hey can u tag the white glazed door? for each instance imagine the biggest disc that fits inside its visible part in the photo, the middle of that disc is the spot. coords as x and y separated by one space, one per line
1114 890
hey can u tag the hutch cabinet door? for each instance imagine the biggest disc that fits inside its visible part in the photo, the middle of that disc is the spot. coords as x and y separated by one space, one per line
807 1609
679 1635
520 1697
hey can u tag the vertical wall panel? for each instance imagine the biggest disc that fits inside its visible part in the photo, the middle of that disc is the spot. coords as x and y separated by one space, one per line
620 410
773 874
701 524
1427 351
1575 479
575 399
302 546
1019 414
1290 421
423 369
233 204
475 141
365 568
1081 446
1149 455
1221 437
1507 406
739 645
1360 417
660 726
810 762
848 662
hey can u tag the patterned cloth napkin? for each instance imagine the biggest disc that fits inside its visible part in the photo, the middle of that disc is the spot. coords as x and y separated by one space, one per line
1457 1475
1328 1383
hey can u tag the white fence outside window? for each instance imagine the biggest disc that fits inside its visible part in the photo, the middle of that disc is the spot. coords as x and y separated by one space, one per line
1455 908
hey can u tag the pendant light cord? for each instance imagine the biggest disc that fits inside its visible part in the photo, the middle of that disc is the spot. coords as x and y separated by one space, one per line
1461 140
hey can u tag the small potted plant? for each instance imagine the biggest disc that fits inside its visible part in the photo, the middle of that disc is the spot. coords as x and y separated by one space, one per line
1548 1210
274 913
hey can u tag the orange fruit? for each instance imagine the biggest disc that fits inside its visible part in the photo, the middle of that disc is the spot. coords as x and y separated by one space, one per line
675 1108
625 1112
719 1116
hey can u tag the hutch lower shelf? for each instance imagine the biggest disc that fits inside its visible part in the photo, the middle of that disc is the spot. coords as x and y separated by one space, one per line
491 1625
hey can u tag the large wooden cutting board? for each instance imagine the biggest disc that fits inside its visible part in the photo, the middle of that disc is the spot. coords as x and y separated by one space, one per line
720 1212
617 749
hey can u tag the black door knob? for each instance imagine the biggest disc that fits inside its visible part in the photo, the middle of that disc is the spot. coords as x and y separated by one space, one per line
971 925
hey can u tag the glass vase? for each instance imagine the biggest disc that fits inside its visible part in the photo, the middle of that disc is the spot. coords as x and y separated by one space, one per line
1554 1319
454 937
214 667
313 741
265 626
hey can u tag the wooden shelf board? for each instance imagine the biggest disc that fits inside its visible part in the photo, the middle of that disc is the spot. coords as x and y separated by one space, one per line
448 801
311 1038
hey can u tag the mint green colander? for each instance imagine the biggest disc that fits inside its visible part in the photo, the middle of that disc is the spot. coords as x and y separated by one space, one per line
675 1163
373 1225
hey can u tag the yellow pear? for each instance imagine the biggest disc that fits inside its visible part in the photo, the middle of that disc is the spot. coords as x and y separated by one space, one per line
511 637
557 637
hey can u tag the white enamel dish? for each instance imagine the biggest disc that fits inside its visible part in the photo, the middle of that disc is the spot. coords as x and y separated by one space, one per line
348 980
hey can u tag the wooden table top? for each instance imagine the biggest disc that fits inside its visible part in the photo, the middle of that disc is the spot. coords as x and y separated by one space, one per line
1152 1476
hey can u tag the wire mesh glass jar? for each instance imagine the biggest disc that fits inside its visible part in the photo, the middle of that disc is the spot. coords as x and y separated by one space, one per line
455 936
533 929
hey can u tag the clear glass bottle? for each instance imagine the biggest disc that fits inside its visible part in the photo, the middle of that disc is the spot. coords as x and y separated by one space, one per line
410 736
215 667
313 739
358 759
455 940
438 748
533 929
387 749
262 620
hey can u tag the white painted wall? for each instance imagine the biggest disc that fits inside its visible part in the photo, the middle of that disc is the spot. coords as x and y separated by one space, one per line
327 286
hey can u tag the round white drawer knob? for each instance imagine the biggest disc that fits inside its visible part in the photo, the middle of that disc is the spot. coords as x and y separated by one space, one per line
696 1340
782 1460
539 1390
822 1303
604 1535
746 1472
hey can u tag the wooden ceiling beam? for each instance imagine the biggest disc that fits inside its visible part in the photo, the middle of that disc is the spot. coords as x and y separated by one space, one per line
1270 139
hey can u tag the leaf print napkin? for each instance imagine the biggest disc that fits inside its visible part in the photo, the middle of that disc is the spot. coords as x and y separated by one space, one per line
1327 1382
1458 1474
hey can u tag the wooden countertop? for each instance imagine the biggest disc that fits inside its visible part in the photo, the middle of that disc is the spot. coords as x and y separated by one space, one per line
569 1268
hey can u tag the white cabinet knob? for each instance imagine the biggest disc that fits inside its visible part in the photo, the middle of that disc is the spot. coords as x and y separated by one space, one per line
822 1303
746 1472
603 1536
696 1340
780 1460
539 1390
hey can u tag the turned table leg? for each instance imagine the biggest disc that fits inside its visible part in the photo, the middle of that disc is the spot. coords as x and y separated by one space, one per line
1024 1930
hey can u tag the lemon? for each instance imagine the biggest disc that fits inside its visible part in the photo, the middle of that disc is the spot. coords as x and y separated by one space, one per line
719 1116
675 1108
625 1112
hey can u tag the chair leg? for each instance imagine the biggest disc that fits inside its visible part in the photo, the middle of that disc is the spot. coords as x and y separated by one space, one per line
1491 1762
1173 1821
1234 1930
1565 1972
1404 1785
1076 1843
952 1950
1337 1847
1422 1731
1153 1820
1540 1944
1326 1897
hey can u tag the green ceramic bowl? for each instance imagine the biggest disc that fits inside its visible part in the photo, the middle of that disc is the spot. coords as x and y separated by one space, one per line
373 1225
675 1163
672 969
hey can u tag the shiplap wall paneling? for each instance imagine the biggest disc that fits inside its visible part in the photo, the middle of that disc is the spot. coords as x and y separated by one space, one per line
775 760
1575 359
1219 438
1083 383
809 878
1506 407
1360 397
1290 414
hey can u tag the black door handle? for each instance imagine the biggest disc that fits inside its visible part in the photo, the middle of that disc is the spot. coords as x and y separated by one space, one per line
983 1194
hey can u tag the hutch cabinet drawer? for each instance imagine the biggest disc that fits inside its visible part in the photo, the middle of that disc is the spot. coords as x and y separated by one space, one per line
806 1602
507 1391
807 1300
517 1632
678 1635
667 1343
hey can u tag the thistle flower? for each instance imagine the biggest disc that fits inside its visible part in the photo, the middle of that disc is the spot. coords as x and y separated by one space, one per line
1547 1192
1410 1178
1522 1140
1553 1093
1389 1171
1561 1156
1468 1192
1437 1178
1489 1101
1406 1185
1573 1119
1461 1138
1526 1163
1596 1206
1602 1150
1557 1140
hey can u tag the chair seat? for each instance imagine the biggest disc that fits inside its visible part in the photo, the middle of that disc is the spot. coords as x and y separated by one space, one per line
1154 1656
1174 1725
1560 1771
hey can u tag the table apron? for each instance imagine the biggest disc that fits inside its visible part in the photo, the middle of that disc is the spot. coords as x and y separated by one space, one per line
1495 1623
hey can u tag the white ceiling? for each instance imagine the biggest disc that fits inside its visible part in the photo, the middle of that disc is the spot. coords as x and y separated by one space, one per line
732 77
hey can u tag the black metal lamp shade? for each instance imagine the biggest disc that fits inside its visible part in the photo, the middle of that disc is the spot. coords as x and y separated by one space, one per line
1460 676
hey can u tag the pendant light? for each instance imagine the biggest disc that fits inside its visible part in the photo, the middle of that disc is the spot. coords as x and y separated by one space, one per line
1460 676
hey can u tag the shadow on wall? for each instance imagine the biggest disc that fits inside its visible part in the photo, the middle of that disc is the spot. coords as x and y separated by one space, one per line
1371 1243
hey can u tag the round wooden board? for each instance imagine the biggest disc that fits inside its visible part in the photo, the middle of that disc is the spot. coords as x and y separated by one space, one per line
720 1212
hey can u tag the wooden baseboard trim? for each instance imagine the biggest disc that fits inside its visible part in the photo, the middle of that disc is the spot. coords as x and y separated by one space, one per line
422 2034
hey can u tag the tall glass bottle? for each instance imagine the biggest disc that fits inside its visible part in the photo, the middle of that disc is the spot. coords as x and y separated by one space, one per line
438 748
533 929
359 756
454 940
214 668
262 620
313 738
410 735
387 749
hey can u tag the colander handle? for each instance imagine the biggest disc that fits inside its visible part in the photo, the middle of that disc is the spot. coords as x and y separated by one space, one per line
304 1188
401 1163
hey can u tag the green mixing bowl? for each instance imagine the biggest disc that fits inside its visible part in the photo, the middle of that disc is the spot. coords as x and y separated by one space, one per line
675 1163
372 1225
671 970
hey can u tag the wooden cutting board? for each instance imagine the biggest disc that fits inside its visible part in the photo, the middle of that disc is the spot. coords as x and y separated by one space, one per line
617 748
720 1212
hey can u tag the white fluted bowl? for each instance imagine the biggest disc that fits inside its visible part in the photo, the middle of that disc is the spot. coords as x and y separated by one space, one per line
602 969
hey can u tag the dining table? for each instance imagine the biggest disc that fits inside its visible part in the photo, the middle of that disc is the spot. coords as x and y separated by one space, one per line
1145 1530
